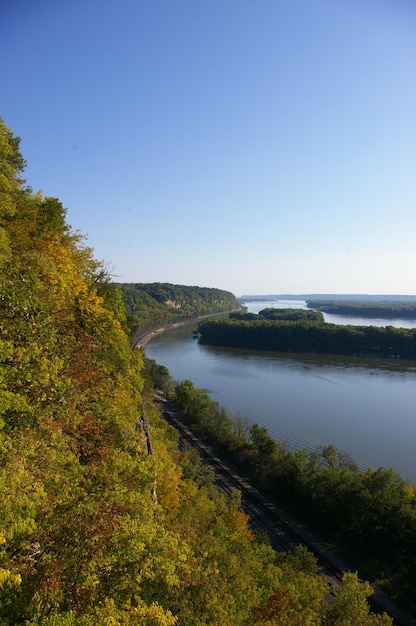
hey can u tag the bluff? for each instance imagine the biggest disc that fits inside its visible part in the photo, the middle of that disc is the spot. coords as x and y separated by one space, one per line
155 304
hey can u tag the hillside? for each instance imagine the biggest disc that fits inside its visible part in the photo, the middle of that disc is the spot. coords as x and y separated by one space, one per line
154 304
103 521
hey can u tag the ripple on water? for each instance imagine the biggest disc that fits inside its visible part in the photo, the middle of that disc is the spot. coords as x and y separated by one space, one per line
364 407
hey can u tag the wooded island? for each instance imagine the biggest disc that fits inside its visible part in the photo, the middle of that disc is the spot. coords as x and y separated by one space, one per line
389 309
291 330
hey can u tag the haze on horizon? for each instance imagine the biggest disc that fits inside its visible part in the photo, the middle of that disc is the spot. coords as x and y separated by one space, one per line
264 147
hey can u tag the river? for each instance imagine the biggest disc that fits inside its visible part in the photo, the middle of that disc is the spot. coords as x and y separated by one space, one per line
365 407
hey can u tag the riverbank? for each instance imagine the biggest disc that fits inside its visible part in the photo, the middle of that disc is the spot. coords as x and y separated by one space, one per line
271 516
142 338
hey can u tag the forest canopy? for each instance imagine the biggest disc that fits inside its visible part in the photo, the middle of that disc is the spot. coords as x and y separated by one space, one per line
289 315
284 335
370 516
390 309
155 304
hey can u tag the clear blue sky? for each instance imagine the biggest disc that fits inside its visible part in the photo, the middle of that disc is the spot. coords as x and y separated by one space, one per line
258 146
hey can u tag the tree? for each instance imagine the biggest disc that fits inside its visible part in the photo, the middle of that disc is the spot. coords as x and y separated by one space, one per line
350 607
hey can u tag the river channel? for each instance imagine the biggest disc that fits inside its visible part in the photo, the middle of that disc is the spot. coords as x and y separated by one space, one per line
365 407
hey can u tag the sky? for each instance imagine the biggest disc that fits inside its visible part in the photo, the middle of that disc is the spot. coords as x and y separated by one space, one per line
256 146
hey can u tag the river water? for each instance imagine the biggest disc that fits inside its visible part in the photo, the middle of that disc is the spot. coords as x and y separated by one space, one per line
365 407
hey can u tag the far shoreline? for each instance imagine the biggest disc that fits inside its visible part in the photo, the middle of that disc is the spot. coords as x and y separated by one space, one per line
142 338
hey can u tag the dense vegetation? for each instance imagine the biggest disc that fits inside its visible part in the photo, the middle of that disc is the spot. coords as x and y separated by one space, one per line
290 315
389 309
156 304
371 515
102 520
306 336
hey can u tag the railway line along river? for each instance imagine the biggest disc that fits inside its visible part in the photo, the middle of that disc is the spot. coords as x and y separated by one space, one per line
365 407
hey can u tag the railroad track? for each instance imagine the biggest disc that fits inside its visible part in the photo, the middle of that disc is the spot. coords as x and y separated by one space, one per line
141 338
284 535
284 532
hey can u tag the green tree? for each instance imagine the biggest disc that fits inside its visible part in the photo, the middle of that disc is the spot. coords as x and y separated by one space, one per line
350 607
